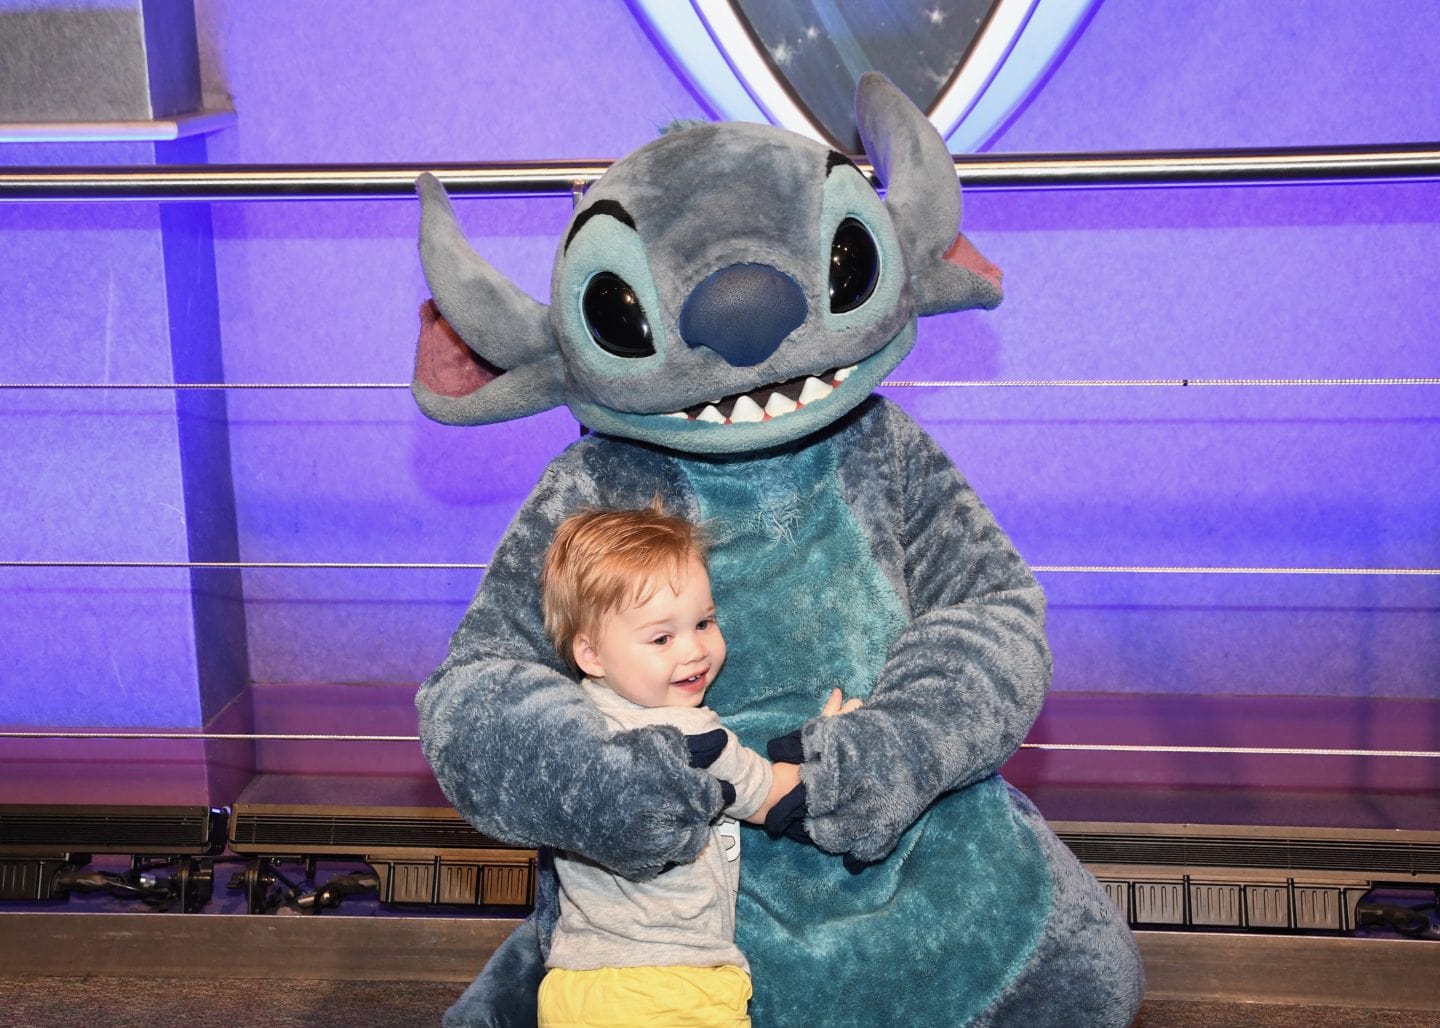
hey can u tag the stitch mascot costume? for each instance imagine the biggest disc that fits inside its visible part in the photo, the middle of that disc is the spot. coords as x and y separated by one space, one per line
745 263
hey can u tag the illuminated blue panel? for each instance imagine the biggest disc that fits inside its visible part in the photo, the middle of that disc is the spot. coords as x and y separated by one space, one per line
1123 284
124 294
91 475
1238 73
1275 282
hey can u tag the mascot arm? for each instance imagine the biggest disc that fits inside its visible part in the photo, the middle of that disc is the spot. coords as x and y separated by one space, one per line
961 684
520 751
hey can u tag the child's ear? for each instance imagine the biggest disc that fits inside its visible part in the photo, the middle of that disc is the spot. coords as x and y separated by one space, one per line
587 657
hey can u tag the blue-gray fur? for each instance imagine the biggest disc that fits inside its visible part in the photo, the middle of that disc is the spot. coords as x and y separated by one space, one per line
848 551
784 534
770 190
924 199
735 187
505 992
533 387
471 295
1080 911
503 676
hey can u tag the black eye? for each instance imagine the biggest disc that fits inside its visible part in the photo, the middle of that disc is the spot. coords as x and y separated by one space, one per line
615 318
854 266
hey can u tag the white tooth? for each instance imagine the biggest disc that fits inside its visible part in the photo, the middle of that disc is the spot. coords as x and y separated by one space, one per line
779 404
679 414
814 390
712 415
844 373
746 410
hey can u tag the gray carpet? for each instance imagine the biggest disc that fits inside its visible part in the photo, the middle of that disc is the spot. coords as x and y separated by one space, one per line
237 1002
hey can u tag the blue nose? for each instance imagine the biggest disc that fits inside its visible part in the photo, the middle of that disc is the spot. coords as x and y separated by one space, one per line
743 312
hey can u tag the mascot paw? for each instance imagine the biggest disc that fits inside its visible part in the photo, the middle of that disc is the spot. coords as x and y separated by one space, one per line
787 817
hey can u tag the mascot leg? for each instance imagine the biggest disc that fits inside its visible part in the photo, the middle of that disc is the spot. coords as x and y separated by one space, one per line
1086 969
504 994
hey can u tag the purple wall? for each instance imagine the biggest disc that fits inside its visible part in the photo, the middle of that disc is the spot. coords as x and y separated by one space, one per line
1274 282
1108 285
83 647
330 292
1239 73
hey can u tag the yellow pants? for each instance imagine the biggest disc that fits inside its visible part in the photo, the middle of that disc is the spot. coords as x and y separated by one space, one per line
632 997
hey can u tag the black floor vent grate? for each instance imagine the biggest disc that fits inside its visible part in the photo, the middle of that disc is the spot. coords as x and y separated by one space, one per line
1212 851
96 830
357 833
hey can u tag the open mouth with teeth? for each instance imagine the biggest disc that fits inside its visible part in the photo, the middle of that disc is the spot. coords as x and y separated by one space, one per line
692 683
759 418
767 402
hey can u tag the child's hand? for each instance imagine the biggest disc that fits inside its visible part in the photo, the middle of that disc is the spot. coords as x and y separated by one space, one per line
787 777
837 704
787 752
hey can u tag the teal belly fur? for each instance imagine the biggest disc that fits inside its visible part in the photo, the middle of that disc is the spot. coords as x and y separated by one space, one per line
937 930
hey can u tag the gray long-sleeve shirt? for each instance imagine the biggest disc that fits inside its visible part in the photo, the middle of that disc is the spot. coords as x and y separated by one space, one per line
684 916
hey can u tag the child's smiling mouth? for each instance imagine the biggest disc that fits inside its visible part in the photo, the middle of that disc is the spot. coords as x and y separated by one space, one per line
695 681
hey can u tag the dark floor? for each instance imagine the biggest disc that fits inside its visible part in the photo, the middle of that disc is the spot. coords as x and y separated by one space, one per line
187 1002
1172 1014
200 1003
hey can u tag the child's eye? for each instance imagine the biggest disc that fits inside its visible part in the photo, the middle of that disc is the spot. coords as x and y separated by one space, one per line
704 624
660 640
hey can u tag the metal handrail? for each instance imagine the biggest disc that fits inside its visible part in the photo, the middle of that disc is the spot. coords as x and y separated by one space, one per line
980 172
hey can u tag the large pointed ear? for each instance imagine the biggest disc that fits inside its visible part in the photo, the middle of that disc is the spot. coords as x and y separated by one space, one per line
486 351
923 197
455 386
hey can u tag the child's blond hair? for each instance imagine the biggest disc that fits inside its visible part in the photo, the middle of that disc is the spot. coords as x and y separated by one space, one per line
605 561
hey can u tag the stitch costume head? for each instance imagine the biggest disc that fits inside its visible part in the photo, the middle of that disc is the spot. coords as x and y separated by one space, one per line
722 306
663 330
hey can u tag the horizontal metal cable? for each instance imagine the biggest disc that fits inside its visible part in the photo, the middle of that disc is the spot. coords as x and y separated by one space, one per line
1127 569
1147 383
1010 383
217 182
1264 751
1102 569
1269 751
213 736
203 385
242 565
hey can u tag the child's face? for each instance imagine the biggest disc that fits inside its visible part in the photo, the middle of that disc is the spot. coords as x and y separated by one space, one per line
664 652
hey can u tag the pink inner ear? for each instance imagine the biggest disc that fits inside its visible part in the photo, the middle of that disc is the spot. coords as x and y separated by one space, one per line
443 363
961 252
